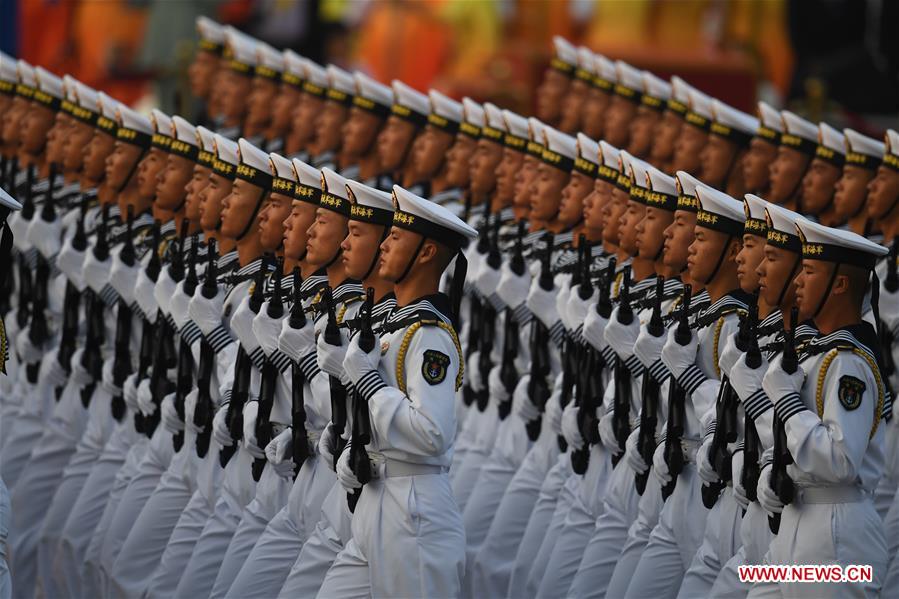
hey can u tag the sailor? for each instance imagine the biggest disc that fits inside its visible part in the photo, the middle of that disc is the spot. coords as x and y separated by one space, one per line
204 69
267 77
327 151
556 81
623 107
431 151
232 86
863 156
408 117
297 142
818 185
599 96
285 99
576 96
368 115
729 138
654 96
458 157
762 149
694 134
798 143
668 128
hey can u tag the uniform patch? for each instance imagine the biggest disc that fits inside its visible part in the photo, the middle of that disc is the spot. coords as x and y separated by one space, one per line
851 391
433 368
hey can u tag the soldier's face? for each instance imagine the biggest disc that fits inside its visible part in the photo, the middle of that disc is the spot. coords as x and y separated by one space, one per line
594 110
199 180
546 192
171 182
38 121
259 105
282 109
325 236
483 166
594 205
850 191
96 152
883 192
396 252
457 159
200 73
120 163
572 106
394 142
702 257
296 229
756 163
616 129
12 124
271 221
211 199
689 144
627 226
777 270
429 152
716 159
651 232
549 96
239 208
571 209
57 136
748 259
506 173
611 216
302 129
148 170
818 186
785 173
664 136
811 285
328 126
235 91
79 137
524 179
359 248
678 237
359 131
641 129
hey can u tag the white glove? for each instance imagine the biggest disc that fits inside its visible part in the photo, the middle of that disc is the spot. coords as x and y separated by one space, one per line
622 337
570 429
647 348
169 415
242 326
191 400
279 453
553 410
96 272
778 384
705 468
144 293
498 392
543 303
179 306
487 279
164 290
129 393
107 381
28 352
736 468
19 227
327 445
70 261
512 288
45 236
473 372
729 355
562 292
206 313
330 357
220 431
52 374
250 416
746 380
80 376
522 405
296 343
607 433
679 357
632 453
357 363
595 328
122 277
345 474
577 308
266 330
767 497
145 398
660 466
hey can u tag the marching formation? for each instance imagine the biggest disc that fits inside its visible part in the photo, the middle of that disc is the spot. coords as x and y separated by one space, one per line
342 339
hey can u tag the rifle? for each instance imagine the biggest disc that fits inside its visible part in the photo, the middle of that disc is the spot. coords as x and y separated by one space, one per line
121 366
780 480
751 442
588 364
240 389
39 334
184 377
361 433
204 409
507 372
26 284
891 284
338 391
475 311
649 400
300 440
488 320
621 414
538 389
148 332
269 380
677 410
91 359
69 329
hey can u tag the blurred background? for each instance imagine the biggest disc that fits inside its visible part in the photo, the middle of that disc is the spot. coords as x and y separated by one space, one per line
833 59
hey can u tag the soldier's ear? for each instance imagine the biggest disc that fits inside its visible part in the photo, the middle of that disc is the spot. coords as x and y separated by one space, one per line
841 285
428 252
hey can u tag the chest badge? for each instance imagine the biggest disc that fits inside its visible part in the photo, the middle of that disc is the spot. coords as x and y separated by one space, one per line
433 367
851 392
385 345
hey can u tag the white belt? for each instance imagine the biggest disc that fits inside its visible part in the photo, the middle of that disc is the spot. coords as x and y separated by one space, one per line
843 494
388 468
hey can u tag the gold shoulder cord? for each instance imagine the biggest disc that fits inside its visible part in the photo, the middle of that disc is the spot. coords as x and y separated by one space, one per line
822 374
718 326
617 283
404 347
4 347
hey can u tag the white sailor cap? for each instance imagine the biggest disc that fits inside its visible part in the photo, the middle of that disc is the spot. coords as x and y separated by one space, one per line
8 202
623 180
269 62
719 212
606 76
733 124
369 205
409 104
587 161
372 95
254 166
107 118
226 157
82 102
798 133
770 123
49 90
341 85
206 143
535 137
565 60
609 167
656 92
831 145
184 142
756 221
636 170
26 77
308 187
212 35
518 134
679 101
473 118
586 65
162 134
661 189
446 113
686 191
863 151
494 126
133 127
630 81
294 69
560 149
431 220
283 176
68 88
334 196
315 80
781 227
8 74
837 245
891 154
240 50
700 111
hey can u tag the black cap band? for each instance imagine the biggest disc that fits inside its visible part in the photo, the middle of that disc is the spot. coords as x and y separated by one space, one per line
368 214
741 138
863 160
282 186
48 100
492 134
716 222
313 89
205 158
371 106
25 91
585 167
786 241
254 175
341 97
563 163
627 93
224 169
755 226
307 193
657 199
416 224
890 160
162 142
652 102
472 131
675 105
88 117
334 203
241 68
800 144
184 149
133 137
443 123
607 173
831 156
839 254
688 203
561 66
697 120
772 136
210 46
7 87
267 72
292 80
407 114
